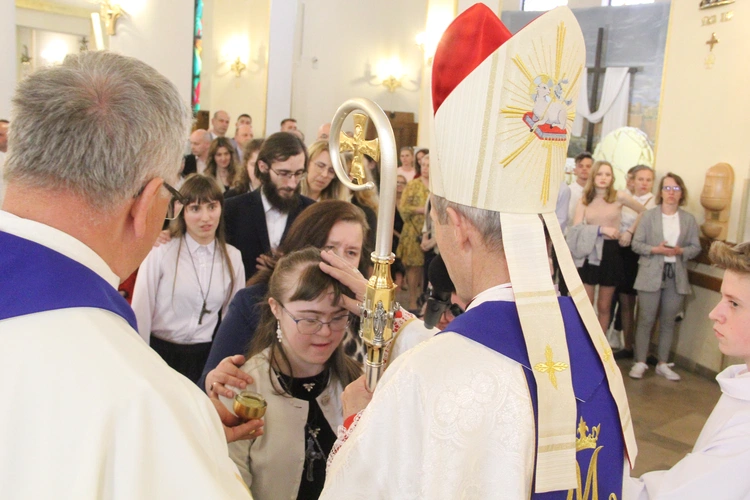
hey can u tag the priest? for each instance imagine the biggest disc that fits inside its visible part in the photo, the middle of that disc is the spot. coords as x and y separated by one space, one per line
89 410
520 396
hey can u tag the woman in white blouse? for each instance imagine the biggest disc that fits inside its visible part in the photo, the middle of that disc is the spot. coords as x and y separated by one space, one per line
184 286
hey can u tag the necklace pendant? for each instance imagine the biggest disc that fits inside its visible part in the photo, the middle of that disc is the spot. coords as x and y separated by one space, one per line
309 387
204 311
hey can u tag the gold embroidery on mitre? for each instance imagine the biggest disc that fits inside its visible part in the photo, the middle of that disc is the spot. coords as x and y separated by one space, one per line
544 111
550 366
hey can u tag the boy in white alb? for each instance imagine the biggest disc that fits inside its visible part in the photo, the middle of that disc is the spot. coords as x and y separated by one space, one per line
717 467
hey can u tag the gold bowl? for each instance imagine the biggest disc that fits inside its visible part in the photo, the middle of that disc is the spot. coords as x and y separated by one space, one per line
249 405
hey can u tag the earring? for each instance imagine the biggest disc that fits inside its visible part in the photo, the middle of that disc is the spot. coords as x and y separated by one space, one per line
278 331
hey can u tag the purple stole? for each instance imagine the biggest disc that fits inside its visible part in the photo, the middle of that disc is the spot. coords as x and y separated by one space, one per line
34 278
600 446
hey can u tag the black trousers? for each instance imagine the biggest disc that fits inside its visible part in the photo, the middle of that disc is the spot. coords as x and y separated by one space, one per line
188 359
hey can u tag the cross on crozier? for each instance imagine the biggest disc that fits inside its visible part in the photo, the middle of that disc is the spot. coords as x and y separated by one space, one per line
359 147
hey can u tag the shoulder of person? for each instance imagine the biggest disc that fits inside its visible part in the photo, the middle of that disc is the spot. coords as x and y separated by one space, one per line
258 364
233 253
305 201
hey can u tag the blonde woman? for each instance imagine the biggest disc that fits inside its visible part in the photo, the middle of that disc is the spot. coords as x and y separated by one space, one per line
601 206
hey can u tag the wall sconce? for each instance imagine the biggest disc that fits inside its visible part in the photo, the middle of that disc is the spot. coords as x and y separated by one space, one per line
234 52
238 67
390 72
110 12
25 57
55 52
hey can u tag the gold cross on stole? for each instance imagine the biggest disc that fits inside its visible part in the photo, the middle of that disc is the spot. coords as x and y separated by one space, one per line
359 147
550 367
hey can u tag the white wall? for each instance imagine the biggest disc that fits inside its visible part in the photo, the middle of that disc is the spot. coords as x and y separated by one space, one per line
283 41
60 23
240 26
160 34
341 40
7 56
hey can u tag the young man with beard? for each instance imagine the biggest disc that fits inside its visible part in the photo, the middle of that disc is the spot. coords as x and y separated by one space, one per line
256 222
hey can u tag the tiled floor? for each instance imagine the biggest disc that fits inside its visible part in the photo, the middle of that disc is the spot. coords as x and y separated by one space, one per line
668 416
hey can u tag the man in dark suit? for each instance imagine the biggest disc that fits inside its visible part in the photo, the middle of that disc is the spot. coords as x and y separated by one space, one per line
200 141
257 222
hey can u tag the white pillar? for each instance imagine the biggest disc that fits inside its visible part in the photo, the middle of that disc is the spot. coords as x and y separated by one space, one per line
280 63
8 56
161 35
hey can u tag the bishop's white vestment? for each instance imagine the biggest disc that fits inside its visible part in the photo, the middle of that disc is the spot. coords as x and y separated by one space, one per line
464 426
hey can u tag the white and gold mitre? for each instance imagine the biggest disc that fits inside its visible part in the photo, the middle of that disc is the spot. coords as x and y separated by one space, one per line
503 108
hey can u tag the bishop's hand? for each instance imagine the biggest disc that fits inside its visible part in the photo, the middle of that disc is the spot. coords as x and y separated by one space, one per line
356 397
348 276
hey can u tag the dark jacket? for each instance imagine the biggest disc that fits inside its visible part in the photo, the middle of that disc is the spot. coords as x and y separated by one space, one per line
246 226
237 329
191 165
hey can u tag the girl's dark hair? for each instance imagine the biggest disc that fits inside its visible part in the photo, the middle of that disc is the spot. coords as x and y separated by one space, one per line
311 228
242 179
211 168
297 277
201 189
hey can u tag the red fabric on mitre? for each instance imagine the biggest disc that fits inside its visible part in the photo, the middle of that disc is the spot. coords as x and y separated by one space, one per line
469 40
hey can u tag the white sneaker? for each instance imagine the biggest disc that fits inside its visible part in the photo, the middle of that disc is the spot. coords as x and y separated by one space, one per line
638 370
665 370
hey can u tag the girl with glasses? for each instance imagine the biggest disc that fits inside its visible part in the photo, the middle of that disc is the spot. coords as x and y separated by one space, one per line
298 365
184 286
666 239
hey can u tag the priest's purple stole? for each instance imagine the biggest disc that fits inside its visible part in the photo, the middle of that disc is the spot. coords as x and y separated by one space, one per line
600 454
34 278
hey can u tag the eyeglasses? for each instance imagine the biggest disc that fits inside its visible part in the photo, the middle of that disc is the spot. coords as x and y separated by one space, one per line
288 175
309 326
175 204
672 189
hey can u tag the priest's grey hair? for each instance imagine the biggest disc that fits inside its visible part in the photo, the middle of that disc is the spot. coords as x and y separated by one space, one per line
487 222
100 125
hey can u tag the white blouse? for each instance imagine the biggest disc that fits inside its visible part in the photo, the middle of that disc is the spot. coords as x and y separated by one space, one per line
671 229
167 297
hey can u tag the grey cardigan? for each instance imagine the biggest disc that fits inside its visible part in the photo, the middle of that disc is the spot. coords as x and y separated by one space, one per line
650 266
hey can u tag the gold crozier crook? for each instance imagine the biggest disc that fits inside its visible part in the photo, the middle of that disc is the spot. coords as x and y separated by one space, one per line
379 307
359 147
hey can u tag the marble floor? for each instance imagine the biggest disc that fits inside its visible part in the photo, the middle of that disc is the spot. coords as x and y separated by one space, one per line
668 416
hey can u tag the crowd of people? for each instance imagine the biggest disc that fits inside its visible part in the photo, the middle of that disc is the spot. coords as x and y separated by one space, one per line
256 283
633 244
